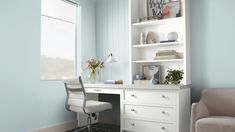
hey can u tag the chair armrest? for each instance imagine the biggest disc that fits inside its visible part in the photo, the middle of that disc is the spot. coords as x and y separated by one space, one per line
199 110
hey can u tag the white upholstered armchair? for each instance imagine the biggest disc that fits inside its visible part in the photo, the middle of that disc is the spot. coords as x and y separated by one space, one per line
215 112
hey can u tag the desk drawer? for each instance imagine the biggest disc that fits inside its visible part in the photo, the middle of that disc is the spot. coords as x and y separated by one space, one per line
104 90
145 126
151 97
150 113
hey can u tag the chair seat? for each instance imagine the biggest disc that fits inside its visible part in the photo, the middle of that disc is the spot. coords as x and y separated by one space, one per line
216 124
92 106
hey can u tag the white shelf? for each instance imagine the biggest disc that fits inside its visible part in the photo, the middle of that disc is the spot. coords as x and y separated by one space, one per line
158 22
157 44
155 61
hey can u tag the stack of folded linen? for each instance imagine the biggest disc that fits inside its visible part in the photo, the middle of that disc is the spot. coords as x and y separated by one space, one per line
166 54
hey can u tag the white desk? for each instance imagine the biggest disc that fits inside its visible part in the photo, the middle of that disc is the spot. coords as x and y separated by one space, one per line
150 108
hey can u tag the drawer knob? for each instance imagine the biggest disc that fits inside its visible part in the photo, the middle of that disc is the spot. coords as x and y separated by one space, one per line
132 95
163 112
133 124
163 128
132 109
163 96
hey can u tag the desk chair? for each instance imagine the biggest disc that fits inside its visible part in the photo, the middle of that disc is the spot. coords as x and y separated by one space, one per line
76 101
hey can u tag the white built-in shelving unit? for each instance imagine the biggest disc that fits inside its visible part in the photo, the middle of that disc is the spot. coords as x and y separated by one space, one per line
145 53
141 109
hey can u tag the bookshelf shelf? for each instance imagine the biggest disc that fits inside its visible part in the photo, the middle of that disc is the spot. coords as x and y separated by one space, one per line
158 22
157 44
158 61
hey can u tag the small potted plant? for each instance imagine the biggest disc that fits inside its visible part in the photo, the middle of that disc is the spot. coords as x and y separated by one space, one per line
174 76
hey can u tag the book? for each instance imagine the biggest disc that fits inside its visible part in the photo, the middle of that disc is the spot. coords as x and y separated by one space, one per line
166 52
166 57
113 82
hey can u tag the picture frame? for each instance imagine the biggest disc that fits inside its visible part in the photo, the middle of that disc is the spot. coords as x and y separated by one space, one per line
163 9
149 71
154 9
171 9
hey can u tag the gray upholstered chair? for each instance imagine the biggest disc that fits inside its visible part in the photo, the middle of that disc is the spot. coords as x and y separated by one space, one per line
215 112
76 101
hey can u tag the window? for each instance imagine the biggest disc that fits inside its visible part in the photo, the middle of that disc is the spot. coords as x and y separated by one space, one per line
58 40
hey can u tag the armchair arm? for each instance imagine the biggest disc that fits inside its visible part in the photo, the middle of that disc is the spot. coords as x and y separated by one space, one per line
199 110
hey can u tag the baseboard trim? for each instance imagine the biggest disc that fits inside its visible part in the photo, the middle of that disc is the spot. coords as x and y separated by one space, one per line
59 127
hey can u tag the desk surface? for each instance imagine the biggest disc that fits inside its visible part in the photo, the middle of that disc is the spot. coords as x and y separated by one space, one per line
135 86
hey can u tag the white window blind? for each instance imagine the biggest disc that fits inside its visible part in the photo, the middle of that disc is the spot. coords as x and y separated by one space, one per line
58 40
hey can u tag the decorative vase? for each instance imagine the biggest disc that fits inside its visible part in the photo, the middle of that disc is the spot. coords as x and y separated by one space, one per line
172 36
142 38
93 76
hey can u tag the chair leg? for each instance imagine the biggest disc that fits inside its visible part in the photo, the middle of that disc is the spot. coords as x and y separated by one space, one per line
89 123
89 127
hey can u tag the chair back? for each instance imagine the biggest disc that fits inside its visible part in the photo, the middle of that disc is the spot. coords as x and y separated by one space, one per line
75 93
219 101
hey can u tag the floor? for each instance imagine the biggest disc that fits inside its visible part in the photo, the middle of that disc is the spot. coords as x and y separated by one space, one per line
112 128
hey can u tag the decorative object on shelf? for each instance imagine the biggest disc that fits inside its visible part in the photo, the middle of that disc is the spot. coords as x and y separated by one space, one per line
145 18
154 9
171 9
172 36
140 77
167 41
174 76
138 20
142 38
166 54
93 65
152 73
151 38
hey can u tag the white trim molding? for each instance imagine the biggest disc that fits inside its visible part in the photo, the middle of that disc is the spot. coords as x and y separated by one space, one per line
59 127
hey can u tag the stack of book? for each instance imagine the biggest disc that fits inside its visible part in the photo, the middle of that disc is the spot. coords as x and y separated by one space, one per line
166 54
113 82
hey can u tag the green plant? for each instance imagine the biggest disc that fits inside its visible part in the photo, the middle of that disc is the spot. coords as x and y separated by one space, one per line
174 76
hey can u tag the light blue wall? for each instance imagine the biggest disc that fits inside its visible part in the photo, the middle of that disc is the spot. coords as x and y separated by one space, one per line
27 103
88 38
212 33
112 37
